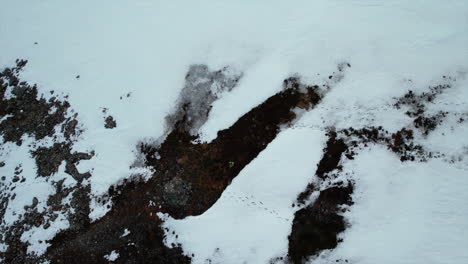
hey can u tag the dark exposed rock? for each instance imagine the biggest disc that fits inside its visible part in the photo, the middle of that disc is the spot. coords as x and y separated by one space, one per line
332 156
416 103
429 123
110 123
24 111
48 160
202 88
316 226
189 179
177 192
211 167
35 201
80 203
4 199
17 250
69 128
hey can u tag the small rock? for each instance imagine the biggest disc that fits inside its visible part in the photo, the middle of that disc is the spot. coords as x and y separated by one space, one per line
35 201
110 123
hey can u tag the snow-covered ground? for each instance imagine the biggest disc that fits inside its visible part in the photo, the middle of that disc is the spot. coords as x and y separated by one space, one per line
131 57
252 219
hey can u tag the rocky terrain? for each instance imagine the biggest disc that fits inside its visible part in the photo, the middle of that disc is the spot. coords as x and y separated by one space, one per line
189 176
231 132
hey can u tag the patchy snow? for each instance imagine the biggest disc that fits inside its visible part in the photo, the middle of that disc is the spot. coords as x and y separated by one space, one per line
386 42
411 213
131 58
37 236
268 45
112 256
404 212
126 232
18 158
252 219
98 210
29 189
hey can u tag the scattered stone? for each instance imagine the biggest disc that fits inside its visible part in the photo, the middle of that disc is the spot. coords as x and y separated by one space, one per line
416 103
26 112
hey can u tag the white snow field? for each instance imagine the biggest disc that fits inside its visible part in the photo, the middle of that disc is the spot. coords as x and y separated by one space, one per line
132 56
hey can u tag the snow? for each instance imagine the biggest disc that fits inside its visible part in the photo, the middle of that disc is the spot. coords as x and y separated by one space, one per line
99 210
39 187
32 188
404 213
24 193
37 236
386 42
122 47
125 233
252 219
112 256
